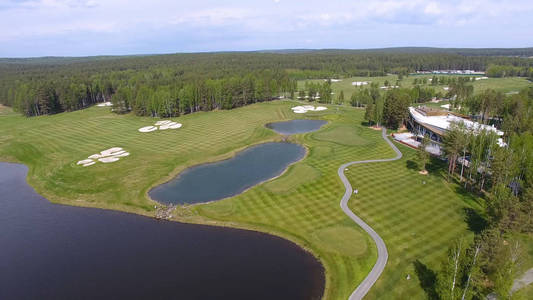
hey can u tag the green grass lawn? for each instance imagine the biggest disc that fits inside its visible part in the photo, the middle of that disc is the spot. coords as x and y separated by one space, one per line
524 293
417 221
417 216
508 84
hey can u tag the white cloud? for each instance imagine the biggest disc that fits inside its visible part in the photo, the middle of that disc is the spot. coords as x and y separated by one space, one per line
433 8
261 23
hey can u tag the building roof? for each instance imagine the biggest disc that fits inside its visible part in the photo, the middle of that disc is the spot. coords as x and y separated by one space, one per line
441 120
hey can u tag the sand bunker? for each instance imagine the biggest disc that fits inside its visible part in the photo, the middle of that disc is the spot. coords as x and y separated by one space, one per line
105 104
107 156
85 161
108 159
306 108
481 78
359 83
161 125
148 129
158 123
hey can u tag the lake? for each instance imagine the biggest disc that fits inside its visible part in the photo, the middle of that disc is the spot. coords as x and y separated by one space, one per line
50 251
296 126
226 178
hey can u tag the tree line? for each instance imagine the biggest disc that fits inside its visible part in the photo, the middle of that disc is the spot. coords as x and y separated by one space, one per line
502 176
148 93
200 81
489 262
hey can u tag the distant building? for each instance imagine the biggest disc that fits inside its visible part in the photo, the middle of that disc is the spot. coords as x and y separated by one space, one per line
452 72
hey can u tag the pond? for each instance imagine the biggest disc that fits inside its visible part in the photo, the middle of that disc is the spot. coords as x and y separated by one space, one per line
296 126
51 251
226 178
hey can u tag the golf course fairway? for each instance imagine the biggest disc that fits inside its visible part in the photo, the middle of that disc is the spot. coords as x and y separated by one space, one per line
416 221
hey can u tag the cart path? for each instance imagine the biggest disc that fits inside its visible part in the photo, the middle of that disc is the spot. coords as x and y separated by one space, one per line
523 281
383 255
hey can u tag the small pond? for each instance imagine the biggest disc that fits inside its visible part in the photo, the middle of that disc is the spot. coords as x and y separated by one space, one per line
296 126
50 251
226 178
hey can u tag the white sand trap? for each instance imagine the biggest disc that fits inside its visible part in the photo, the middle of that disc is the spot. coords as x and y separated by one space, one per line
110 151
304 109
85 161
359 83
108 159
105 104
159 123
171 125
148 129
121 154
107 156
175 126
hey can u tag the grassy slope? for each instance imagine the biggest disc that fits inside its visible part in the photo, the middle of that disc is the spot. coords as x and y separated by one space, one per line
302 208
500 84
417 221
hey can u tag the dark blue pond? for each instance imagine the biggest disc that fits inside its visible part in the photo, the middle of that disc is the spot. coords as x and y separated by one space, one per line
215 181
50 251
296 126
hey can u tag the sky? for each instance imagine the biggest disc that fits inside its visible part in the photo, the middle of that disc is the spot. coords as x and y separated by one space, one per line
30 28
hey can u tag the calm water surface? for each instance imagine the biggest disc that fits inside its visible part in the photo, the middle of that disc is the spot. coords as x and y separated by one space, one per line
215 181
296 126
50 251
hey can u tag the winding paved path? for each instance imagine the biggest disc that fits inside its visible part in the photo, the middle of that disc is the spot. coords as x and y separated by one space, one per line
374 274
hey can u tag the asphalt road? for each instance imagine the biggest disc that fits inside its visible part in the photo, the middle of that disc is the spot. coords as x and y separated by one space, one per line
383 255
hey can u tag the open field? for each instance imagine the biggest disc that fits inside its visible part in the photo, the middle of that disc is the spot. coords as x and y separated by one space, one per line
417 221
508 84
304 209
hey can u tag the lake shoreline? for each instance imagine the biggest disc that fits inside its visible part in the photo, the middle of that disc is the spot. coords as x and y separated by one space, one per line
267 235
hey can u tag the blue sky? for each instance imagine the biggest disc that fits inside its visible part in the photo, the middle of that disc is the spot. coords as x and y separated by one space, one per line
98 27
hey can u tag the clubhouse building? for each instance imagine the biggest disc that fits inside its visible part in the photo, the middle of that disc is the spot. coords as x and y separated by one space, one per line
434 123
